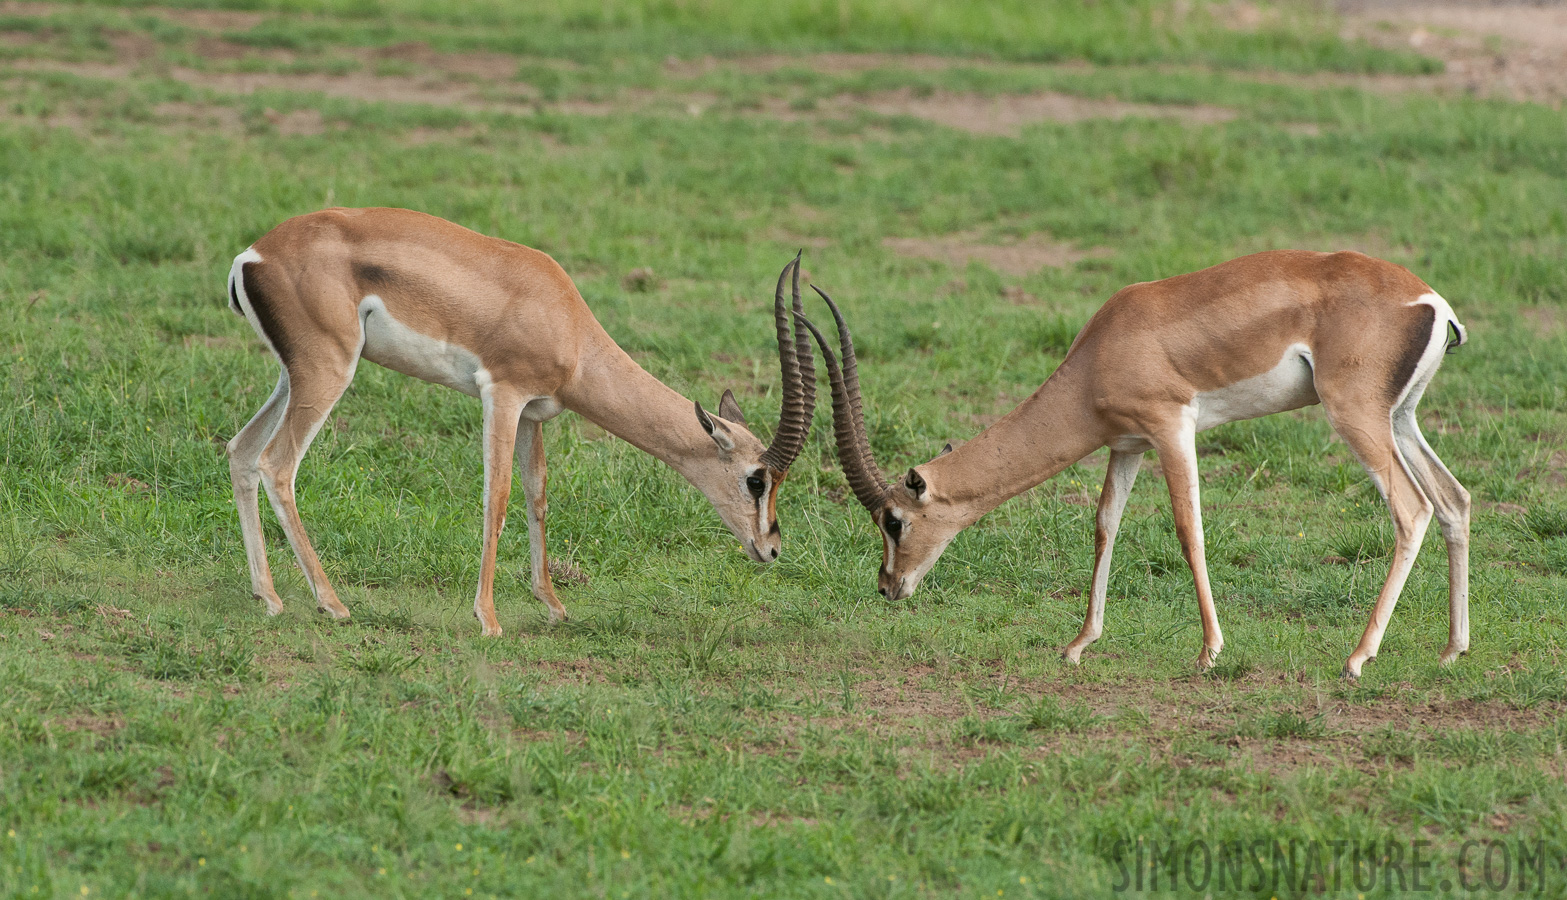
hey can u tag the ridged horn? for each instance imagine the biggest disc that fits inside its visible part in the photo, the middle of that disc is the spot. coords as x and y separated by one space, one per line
799 377
848 418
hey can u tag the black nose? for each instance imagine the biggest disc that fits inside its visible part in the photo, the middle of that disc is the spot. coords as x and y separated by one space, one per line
882 591
775 553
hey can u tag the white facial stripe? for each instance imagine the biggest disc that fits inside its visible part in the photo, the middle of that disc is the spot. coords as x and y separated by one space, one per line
394 345
1287 385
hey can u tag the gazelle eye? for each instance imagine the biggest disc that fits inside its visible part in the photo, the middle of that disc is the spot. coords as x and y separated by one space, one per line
755 485
894 528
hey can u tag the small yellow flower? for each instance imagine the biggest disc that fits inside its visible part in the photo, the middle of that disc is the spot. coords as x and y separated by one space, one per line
475 871
458 846
202 861
827 878
625 854
1022 879
469 892
86 890
528 860
381 871
10 832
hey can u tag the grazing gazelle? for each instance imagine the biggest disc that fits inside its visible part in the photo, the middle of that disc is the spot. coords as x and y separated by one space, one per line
501 322
1164 360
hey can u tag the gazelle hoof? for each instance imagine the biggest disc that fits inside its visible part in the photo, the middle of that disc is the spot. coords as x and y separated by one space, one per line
490 630
1451 654
1073 655
1352 667
274 605
1207 659
338 612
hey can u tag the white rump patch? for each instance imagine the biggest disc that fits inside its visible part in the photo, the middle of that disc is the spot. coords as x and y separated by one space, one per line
392 344
237 289
1288 385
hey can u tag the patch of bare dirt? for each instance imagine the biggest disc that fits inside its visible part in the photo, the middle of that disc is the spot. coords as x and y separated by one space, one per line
99 725
1547 320
204 19
573 671
19 39
761 818
1017 257
1510 50
1009 114
297 122
132 46
477 65
1369 243
355 85
824 63
198 115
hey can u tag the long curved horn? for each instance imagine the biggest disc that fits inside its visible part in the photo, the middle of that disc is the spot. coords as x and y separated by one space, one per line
848 419
799 378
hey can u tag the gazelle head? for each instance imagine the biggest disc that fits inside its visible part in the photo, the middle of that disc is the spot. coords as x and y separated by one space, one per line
916 520
743 488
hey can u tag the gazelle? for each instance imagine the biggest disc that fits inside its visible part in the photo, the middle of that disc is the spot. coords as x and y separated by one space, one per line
498 321
1163 360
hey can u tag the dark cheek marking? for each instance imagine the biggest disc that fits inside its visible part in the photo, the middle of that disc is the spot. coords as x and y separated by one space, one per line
775 529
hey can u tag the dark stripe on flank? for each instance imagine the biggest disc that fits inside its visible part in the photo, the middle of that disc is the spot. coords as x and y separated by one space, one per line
375 276
234 298
262 307
1417 337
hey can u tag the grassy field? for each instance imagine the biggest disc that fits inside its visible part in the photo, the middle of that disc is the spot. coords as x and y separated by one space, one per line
970 185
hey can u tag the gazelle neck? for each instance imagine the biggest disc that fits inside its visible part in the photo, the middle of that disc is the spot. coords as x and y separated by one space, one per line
621 397
1054 428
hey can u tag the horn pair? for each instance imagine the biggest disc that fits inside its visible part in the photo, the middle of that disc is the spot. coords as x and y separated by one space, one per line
848 417
799 376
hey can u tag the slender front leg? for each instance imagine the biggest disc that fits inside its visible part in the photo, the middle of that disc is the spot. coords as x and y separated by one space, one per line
1119 477
502 409
530 456
1178 459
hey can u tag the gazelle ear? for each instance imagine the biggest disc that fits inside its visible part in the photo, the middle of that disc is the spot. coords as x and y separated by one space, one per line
916 483
714 430
729 409
945 450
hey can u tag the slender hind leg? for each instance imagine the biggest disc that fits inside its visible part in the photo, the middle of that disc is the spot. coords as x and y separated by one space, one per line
530 456
1369 432
244 453
312 392
501 412
1451 504
1120 474
1178 458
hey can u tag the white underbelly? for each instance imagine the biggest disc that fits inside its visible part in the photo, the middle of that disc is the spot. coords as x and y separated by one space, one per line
394 345
1287 385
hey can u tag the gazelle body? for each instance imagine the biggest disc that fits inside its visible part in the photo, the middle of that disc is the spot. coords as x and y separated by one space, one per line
495 320
1163 360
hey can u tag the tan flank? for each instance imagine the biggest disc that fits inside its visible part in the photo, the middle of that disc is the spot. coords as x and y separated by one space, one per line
1163 360
501 322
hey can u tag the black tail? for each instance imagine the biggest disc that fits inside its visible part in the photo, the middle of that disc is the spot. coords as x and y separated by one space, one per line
1460 336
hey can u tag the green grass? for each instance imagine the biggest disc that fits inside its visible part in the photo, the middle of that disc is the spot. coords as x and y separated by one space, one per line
703 727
